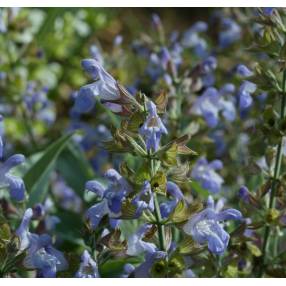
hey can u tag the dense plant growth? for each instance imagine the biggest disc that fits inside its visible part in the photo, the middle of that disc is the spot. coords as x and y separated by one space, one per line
163 156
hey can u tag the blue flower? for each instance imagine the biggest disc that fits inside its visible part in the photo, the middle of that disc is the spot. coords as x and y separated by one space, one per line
85 99
219 141
244 194
128 269
51 221
144 200
3 75
209 65
165 57
192 39
117 40
111 197
176 54
68 199
37 103
205 173
268 11
231 32
104 87
155 67
244 95
88 267
243 71
23 230
188 274
206 227
41 255
156 21
174 191
96 54
210 103
206 105
135 243
143 270
15 184
41 212
153 128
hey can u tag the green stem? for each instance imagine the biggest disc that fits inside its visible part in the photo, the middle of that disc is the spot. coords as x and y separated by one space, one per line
278 161
29 127
161 230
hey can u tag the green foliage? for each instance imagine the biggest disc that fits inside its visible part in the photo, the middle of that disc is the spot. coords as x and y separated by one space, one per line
38 176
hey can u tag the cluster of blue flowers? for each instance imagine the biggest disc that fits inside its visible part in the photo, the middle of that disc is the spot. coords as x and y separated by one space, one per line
205 226
171 171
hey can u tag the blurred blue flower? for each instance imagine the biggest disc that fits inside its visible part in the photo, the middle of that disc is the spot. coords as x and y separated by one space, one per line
153 128
244 95
231 32
165 57
188 274
211 102
207 106
3 75
118 40
88 267
205 173
243 71
192 39
267 11
206 227
14 183
218 137
68 199
96 53
209 64
111 197
176 54
51 221
244 194
156 21
135 243
154 68
37 103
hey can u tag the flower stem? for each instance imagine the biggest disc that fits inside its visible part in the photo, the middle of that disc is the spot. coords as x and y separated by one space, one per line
277 168
161 230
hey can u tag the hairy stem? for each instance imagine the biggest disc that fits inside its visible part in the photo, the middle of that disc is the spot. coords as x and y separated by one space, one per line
277 168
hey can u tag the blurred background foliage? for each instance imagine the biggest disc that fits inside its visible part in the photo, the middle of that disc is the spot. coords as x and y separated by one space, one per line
47 45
